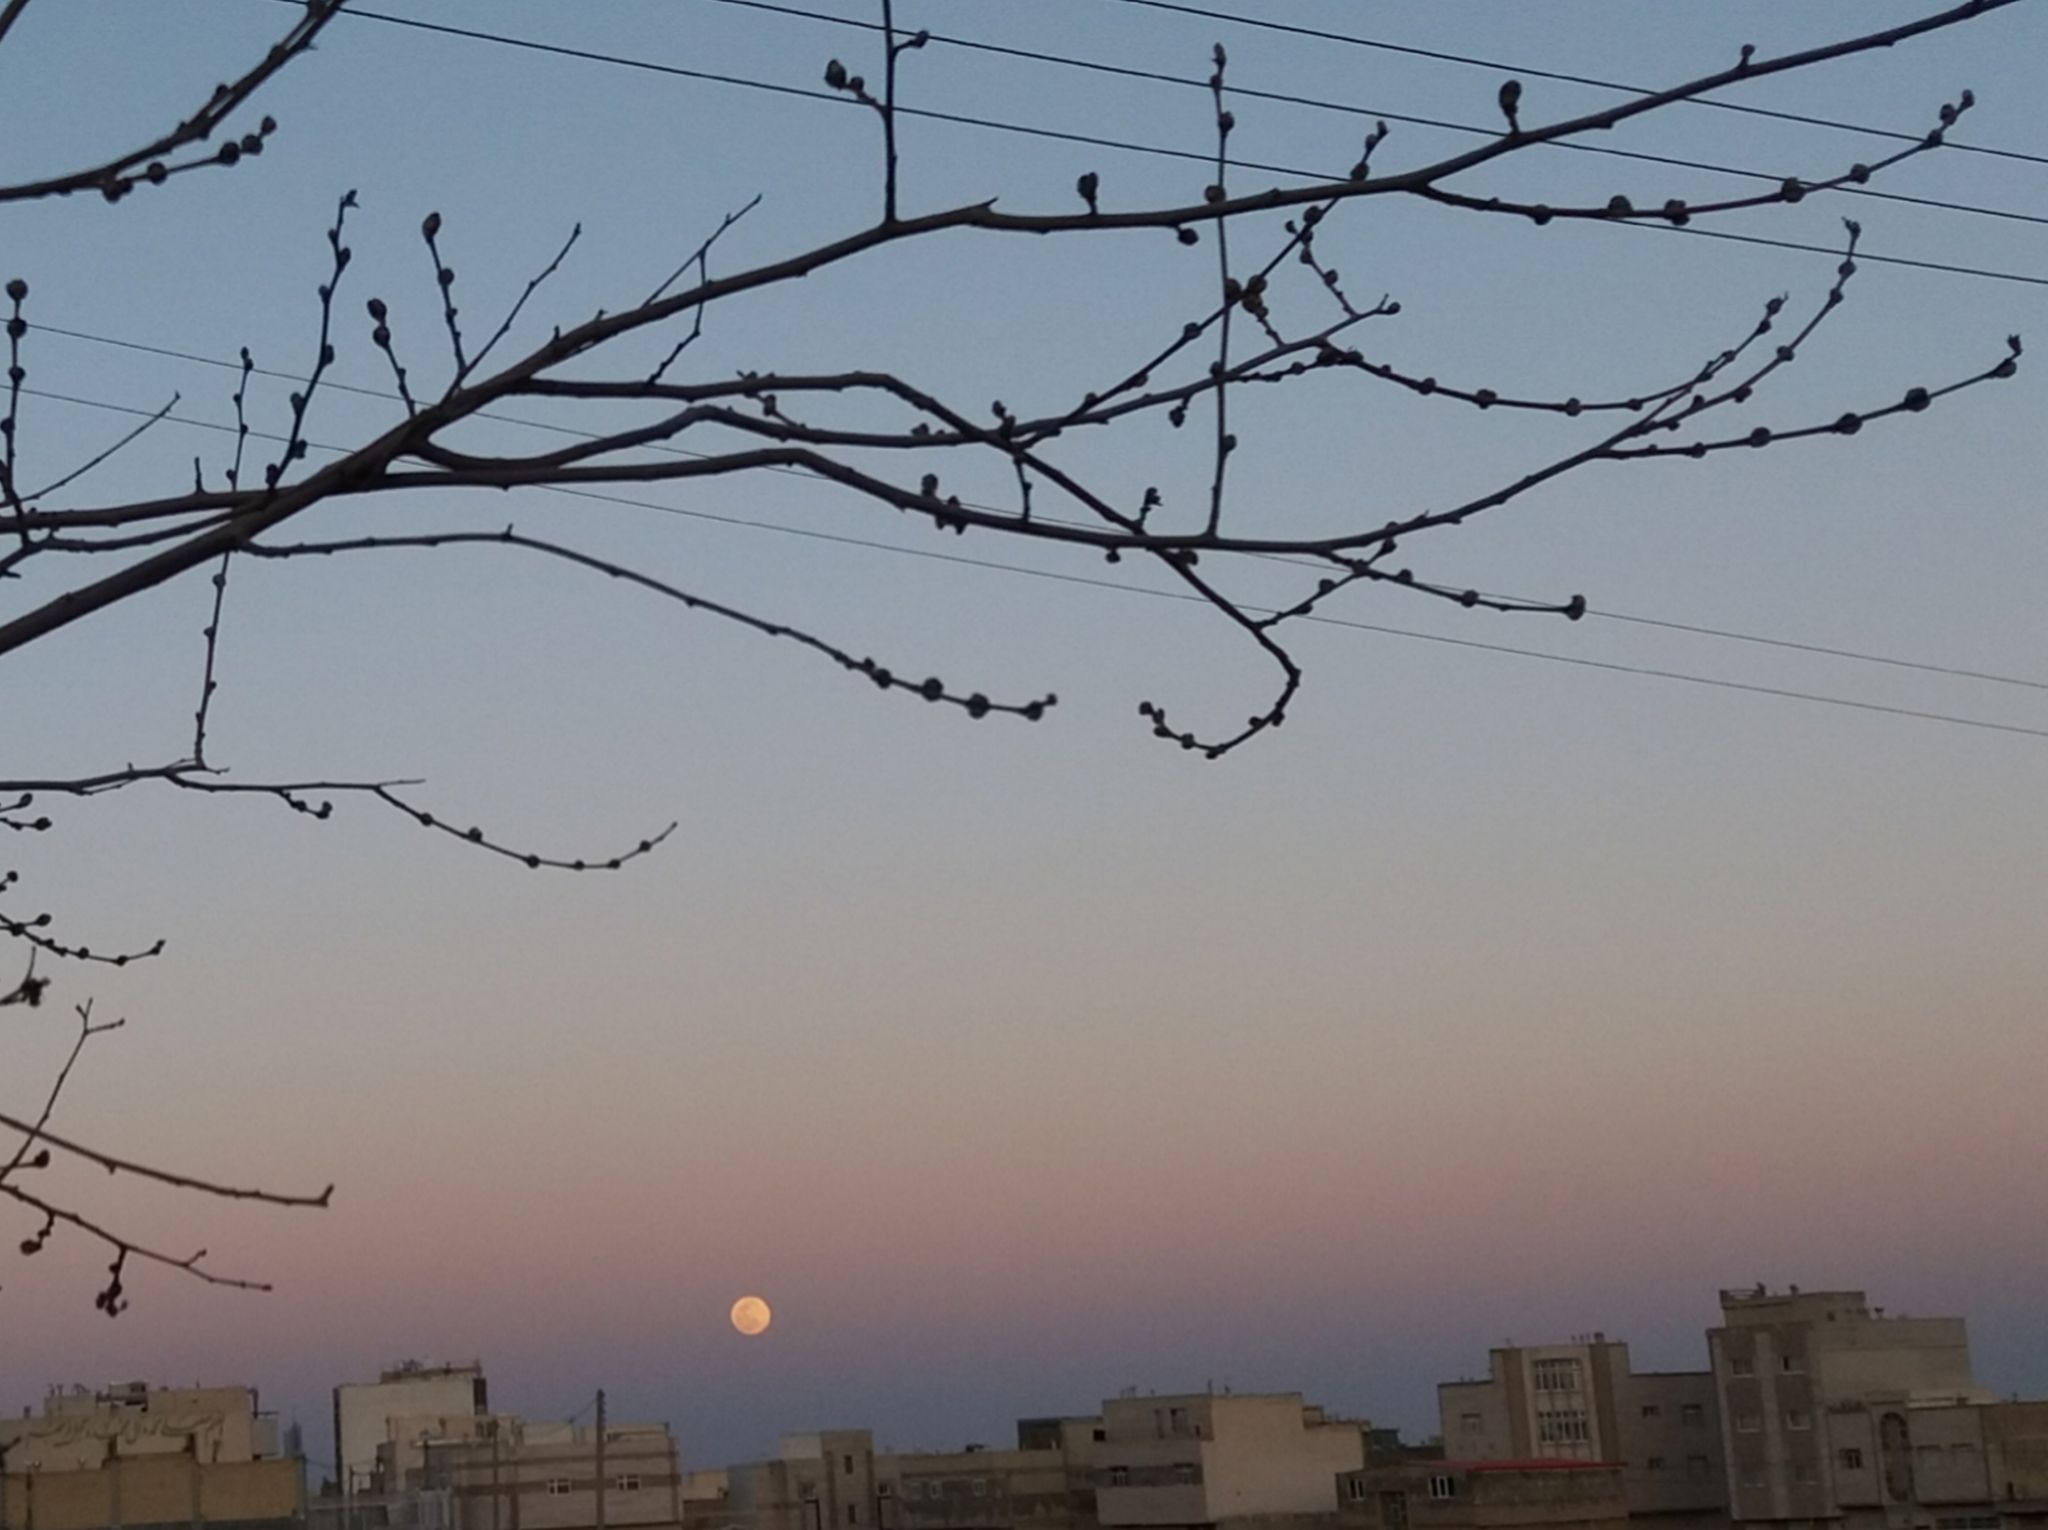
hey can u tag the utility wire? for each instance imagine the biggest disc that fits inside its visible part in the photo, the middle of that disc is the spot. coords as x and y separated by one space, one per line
223 364
1355 41
1126 71
1159 151
1609 666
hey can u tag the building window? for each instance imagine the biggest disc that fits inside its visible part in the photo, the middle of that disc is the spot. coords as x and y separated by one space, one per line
1753 1476
1119 1476
981 1487
1394 1511
1698 1467
1354 1489
1655 1463
1802 1474
558 1487
1651 1410
1849 1460
1692 1413
1963 1451
1748 1423
1798 1418
1471 1423
1101 1435
846 1465
1442 1488
1741 1367
1564 1427
1184 1475
1556 1375
1792 1364
626 1482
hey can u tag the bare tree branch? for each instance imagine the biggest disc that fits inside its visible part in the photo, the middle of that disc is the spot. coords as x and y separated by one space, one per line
153 162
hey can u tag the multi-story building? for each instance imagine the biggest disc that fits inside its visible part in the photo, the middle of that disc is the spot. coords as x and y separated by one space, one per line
1552 1493
1837 1415
79 1427
1583 1402
1193 1460
816 1481
409 1402
134 1455
1205 1459
545 1476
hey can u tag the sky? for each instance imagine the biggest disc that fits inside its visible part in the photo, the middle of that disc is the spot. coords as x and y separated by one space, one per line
1492 998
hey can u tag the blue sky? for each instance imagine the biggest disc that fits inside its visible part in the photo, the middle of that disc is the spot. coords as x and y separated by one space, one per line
1016 1063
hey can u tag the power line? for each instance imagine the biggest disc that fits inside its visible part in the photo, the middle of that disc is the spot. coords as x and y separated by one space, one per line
1475 644
1159 151
1355 41
223 364
1127 71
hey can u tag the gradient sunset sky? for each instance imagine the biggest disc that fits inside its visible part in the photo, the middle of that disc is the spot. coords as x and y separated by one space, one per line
1491 998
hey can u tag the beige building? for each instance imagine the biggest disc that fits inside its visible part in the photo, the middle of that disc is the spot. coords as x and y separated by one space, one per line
1195 1459
1204 1459
1833 1412
1583 1402
156 1492
140 1456
409 1402
815 1481
544 1476
79 1428
1554 1494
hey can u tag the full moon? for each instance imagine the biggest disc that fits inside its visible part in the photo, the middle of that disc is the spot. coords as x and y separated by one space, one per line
750 1315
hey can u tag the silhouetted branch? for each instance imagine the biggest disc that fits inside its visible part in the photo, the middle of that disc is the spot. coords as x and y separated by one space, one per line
154 161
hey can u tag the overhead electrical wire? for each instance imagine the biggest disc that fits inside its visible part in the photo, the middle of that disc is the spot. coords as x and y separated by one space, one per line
1475 644
1126 71
1530 72
1161 151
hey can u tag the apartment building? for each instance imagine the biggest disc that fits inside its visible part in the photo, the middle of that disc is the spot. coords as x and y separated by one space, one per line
815 1482
522 1475
1542 1494
407 1403
1205 1459
1584 1402
1835 1413
135 1455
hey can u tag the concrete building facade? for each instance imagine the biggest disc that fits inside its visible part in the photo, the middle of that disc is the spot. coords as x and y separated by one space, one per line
79 1428
1834 1413
1204 1459
1553 1494
1584 1402
545 1476
409 1402
134 1456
